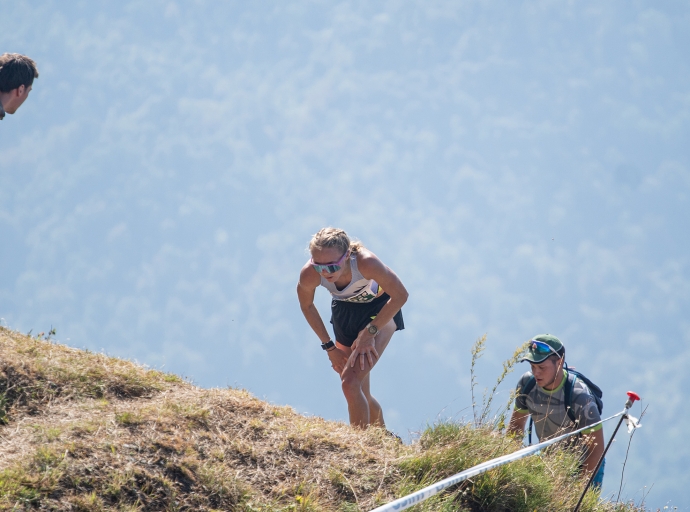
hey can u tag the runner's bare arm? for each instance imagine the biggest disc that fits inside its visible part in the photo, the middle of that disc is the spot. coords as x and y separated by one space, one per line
309 280
371 267
517 423
595 449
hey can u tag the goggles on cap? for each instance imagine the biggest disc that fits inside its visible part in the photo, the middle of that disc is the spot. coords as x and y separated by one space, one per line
330 268
542 349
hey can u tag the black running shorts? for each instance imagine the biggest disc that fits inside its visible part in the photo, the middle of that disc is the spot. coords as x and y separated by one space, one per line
349 318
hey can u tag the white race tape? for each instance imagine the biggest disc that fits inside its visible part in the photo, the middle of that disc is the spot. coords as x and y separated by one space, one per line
428 492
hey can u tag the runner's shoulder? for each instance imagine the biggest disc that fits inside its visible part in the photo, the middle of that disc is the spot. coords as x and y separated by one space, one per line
581 393
524 379
308 277
368 261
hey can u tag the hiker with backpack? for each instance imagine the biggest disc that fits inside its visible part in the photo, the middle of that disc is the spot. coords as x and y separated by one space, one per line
558 400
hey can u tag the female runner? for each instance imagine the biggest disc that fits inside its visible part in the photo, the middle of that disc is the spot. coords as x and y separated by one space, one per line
364 316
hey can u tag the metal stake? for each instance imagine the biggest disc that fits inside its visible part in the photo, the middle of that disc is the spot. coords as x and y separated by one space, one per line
632 397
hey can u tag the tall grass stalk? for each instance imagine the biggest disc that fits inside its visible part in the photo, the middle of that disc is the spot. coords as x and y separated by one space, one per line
508 366
477 350
481 416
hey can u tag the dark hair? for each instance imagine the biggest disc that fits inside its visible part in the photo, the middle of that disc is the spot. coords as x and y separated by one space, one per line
16 70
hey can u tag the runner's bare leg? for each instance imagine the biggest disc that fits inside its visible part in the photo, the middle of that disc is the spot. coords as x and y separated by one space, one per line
356 385
375 411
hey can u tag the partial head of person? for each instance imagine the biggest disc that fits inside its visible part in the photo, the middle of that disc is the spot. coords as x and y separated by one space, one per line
330 249
546 355
17 74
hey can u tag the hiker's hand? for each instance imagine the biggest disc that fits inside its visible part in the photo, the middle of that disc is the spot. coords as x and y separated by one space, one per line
338 359
364 349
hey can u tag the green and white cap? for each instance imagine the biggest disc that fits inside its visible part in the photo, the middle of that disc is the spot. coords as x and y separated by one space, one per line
542 346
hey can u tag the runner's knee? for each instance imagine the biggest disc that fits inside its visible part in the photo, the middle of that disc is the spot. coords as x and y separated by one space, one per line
351 383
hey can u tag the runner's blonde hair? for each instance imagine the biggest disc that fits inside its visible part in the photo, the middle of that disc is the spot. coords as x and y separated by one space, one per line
334 237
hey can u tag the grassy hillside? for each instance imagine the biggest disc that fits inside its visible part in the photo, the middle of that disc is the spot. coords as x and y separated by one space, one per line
87 432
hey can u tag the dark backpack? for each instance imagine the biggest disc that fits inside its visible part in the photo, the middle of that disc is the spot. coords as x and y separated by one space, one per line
568 394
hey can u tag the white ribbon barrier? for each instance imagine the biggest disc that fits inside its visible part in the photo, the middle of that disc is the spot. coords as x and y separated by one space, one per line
428 492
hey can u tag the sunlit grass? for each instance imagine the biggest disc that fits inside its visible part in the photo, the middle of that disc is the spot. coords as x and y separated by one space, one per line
89 432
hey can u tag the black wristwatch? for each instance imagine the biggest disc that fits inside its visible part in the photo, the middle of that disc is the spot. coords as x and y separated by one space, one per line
372 329
328 346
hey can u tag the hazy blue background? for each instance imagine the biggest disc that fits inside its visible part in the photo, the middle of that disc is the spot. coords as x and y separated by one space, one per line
523 166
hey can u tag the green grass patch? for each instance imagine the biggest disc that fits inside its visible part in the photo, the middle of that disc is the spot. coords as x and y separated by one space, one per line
17 487
129 419
4 403
193 414
28 484
222 488
533 483
89 502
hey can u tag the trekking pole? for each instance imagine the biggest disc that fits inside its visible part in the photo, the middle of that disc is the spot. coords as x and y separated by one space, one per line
632 398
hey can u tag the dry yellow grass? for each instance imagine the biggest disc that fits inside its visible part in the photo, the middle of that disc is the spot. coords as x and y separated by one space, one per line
87 432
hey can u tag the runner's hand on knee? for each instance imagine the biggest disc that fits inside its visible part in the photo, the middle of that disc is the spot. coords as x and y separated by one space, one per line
338 359
364 347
